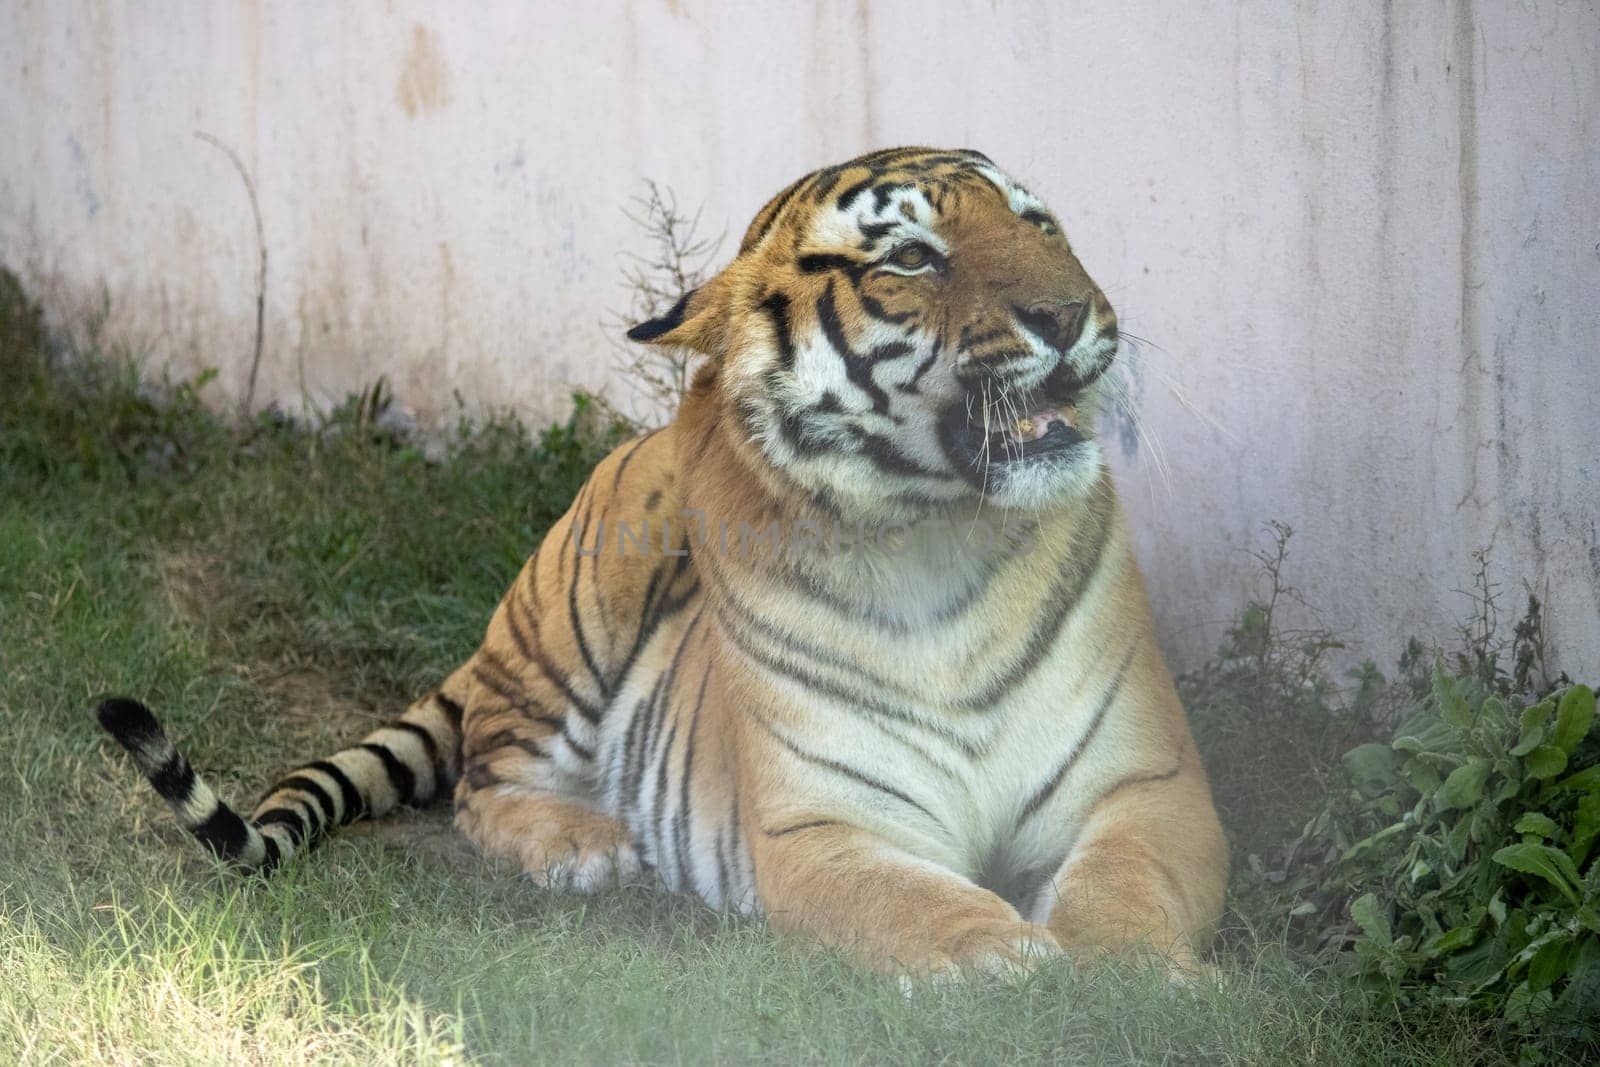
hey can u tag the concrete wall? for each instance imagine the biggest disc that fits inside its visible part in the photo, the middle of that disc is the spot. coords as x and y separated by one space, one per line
1364 237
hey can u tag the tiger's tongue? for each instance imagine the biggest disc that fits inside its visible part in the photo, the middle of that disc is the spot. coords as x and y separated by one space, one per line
1036 424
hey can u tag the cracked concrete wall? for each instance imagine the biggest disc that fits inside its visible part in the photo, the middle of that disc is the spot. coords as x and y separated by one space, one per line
1363 239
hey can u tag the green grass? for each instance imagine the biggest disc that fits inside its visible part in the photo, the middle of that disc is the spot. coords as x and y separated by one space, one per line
276 590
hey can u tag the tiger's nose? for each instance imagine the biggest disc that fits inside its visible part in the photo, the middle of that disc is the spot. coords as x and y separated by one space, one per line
1057 323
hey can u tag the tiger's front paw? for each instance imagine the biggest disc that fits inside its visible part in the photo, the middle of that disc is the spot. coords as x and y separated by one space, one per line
593 854
558 844
990 948
585 870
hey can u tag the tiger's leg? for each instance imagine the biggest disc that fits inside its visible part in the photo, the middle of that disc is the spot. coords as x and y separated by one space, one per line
1148 872
555 649
846 887
557 842
525 792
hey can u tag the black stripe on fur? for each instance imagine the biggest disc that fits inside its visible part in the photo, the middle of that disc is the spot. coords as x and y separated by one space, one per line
130 723
400 776
223 832
301 783
133 727
355 805
310 807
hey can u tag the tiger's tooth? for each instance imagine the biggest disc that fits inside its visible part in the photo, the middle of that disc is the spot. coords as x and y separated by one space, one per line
1069 415
1025 428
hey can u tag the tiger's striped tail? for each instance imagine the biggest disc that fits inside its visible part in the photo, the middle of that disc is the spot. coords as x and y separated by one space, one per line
412 760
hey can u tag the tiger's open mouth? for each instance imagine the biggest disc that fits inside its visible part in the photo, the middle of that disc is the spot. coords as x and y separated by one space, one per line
981 432
999 434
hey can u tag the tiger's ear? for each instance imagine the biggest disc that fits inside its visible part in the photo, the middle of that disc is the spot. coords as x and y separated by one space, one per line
695 322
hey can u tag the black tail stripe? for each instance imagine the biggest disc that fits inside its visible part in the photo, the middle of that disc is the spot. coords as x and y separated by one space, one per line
429 745
174 779
289 819
319 794
223 832
355 805
400 776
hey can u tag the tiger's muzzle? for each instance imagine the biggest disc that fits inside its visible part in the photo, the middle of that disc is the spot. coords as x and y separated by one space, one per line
1020 405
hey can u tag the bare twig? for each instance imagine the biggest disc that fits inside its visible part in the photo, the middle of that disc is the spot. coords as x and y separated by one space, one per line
261 277
676 261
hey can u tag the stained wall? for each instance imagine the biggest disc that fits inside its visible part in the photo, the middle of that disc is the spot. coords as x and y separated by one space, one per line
1361 239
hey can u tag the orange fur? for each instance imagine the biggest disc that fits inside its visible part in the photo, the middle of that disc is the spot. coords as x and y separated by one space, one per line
941 759
1141 858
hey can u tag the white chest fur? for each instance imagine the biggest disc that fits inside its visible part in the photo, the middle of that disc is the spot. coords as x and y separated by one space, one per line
932 711
968 737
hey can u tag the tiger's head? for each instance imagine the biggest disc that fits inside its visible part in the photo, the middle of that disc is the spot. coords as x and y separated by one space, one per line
904 332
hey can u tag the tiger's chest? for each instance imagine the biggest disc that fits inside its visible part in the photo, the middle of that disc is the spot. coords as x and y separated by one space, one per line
969 742
985 773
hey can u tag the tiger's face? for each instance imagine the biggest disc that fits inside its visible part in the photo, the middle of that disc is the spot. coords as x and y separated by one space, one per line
907 331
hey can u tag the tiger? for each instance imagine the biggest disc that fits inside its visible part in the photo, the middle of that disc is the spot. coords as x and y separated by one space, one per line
762 659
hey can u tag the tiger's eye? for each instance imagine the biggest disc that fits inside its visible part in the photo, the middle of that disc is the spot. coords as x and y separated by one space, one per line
913 256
